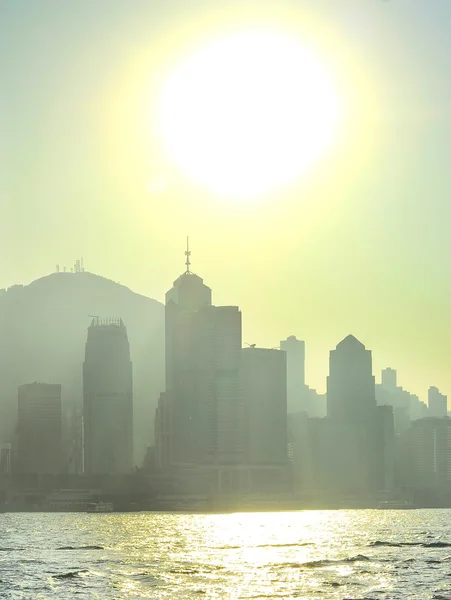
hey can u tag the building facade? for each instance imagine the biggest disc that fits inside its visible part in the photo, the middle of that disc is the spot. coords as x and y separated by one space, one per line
295 353
107 399
265 401
39 438
427 453
437 403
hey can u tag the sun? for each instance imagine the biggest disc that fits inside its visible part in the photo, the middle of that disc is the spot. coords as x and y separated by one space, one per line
248 113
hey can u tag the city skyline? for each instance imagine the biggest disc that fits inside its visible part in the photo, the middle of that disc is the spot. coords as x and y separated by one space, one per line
361 219
318 381
223 428
224 325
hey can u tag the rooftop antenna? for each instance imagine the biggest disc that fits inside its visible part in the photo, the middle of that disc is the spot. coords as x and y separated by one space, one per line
187 254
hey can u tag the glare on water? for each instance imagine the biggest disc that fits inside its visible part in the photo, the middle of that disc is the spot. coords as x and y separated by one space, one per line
307 554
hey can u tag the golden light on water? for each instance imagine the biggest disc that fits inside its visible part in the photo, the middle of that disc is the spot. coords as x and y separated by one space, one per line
248 112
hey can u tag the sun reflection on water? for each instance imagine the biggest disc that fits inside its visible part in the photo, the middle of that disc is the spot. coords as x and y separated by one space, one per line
306 554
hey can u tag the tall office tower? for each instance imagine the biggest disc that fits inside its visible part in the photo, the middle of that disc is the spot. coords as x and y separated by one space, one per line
107 399
295 351
437 403
351 406
389 379
265 404
39 442
203 386
351 395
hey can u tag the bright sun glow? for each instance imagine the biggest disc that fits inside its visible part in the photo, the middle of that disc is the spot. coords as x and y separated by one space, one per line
248 113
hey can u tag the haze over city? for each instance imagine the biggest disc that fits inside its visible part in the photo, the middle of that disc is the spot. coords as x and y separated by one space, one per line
356 242
224 289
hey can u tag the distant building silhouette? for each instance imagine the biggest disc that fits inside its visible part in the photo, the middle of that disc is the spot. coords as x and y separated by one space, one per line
407 407
295 351
389 379
427 454
437 403
39 444
203 385
265 402
351 396
107 399
385 448
362 430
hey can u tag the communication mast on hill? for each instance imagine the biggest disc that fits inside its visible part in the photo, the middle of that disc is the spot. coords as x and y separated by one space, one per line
78 267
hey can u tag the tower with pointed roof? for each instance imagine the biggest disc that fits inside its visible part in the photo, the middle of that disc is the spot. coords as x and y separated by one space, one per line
351 395
358 432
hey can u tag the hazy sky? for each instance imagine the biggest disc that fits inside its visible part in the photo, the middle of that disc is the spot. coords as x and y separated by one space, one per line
360 245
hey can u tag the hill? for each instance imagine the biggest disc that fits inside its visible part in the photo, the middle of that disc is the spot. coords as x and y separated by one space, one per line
43 328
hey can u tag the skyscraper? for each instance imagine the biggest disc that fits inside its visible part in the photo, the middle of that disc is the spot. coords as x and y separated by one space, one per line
351 395
351 407
107 399
437 403
265 402
203 386
295 352
39 443
389 379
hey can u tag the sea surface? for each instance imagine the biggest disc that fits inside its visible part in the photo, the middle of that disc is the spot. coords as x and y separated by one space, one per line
353 554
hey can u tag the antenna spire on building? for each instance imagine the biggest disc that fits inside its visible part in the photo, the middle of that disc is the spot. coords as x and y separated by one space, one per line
187 254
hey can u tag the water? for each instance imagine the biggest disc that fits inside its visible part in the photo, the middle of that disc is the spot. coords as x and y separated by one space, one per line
308 554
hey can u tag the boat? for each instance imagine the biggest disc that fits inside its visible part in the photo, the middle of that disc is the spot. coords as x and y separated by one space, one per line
100 507
395 505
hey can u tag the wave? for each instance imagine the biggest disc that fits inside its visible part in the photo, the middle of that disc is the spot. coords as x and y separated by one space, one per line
81 548
70 574
198 569
282 545
329 562
437 544
296 545
325 562
11 549
184 571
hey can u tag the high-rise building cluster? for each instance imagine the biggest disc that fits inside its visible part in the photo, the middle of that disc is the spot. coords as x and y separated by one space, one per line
237 423
101 435
223 415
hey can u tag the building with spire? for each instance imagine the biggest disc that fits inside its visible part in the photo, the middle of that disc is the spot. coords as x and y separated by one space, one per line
107 399
202 405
